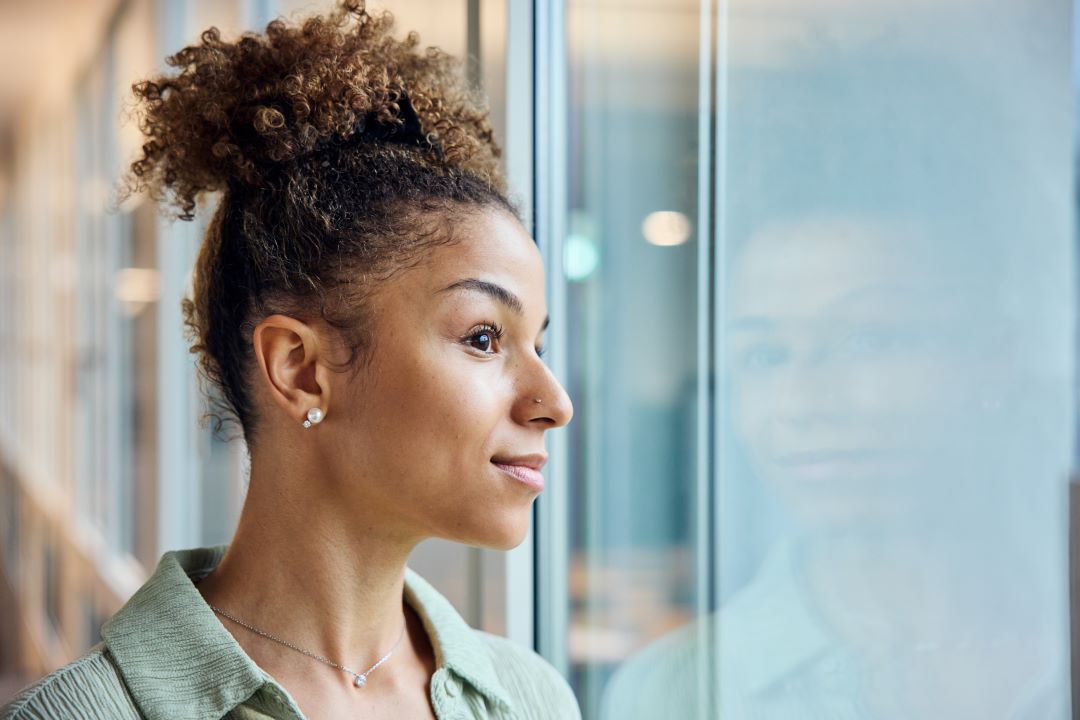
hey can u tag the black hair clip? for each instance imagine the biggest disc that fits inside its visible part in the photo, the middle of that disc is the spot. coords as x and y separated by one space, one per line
406 132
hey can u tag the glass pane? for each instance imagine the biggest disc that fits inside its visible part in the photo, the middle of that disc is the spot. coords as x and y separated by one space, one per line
136 286
442 23
202 14
91 466
896 329
895 411
219 496
631 268
891 322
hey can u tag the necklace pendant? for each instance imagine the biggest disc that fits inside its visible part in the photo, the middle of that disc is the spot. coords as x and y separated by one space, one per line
359 681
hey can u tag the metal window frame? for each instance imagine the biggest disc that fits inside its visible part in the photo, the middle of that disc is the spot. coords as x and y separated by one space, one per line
718 25
178 466
551 591
520 580
710 236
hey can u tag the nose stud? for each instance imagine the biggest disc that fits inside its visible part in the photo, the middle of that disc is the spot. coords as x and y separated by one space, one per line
314 417
537 400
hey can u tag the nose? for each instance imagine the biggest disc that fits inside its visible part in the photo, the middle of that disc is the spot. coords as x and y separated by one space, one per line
542 401
809 393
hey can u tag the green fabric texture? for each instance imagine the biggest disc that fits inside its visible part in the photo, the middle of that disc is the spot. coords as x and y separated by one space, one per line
165 656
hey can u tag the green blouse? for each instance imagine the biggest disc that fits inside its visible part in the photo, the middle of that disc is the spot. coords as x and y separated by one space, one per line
165 656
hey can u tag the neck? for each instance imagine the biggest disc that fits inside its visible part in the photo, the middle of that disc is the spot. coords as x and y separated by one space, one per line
312 571
916 587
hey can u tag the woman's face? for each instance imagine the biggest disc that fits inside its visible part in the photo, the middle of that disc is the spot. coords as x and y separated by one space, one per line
858 374
441 435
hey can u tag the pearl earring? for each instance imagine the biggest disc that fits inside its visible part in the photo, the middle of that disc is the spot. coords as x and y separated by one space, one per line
314 417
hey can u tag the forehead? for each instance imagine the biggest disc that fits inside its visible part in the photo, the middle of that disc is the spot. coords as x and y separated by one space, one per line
807 268
489 245
491 239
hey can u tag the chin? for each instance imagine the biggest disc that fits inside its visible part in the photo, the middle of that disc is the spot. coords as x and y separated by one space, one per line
509 543
504 534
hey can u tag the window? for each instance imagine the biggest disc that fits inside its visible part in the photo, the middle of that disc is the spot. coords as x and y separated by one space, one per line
817 268
811 274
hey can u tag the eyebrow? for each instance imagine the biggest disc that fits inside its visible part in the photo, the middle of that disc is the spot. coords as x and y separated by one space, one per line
751 324
492 290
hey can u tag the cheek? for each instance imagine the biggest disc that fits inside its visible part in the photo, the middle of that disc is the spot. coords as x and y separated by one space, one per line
901 398
750 411
920 401
433 404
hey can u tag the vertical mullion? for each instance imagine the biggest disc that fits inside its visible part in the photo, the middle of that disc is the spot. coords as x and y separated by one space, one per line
520 580
255 14
1073 553
705 514
473 60
178 481
474 556
550 223
117 336
719 204
1074 590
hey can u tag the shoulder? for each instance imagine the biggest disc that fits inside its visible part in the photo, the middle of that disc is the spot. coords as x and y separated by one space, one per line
529 678
663 678
88 688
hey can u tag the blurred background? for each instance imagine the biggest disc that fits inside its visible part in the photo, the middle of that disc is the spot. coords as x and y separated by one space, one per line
812 277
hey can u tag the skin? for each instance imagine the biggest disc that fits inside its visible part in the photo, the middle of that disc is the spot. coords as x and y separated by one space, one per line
404 454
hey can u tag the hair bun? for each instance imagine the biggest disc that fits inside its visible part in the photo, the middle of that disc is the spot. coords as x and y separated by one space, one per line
235 111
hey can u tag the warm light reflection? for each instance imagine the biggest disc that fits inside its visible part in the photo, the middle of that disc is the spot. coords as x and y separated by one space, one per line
135 288
666 228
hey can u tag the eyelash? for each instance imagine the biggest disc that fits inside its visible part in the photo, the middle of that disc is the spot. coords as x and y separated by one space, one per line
496 332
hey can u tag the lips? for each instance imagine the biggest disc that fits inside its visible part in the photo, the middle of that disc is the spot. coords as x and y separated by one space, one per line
822 464
813 456
523 468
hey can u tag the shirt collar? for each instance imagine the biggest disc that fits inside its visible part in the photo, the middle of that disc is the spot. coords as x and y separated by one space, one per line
180 663
770 627
458 646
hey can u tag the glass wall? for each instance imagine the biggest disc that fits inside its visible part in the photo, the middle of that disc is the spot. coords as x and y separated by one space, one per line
634 303
812 281
820 294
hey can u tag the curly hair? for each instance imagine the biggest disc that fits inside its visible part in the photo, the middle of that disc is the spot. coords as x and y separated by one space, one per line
340 153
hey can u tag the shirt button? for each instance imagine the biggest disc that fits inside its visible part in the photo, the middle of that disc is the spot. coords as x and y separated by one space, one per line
452 687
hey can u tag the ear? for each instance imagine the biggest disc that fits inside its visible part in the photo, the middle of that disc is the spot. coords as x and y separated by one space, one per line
291 361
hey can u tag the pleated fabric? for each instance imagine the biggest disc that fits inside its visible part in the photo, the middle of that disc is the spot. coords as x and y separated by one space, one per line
166 656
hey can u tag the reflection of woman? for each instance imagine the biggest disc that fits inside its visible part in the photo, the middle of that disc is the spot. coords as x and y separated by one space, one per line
873 389
873 392
370 308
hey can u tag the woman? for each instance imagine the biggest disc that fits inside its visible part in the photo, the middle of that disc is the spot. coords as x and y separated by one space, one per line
370 310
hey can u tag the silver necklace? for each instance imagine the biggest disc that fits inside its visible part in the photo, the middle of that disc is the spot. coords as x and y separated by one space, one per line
359 679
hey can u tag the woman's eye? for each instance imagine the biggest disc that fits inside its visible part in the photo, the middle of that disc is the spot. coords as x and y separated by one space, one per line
869 342
762 357
484 339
